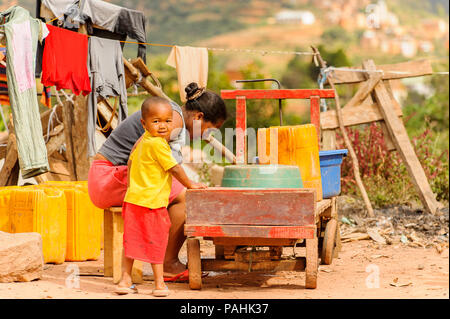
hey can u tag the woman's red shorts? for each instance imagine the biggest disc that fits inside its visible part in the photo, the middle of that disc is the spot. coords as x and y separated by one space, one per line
107 184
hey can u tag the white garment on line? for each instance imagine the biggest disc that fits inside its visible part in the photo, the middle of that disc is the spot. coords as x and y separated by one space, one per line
58 7
192 66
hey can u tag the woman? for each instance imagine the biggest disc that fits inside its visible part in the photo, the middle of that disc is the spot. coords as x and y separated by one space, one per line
107 180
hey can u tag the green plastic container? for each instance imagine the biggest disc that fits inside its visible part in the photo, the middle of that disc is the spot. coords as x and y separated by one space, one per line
262 176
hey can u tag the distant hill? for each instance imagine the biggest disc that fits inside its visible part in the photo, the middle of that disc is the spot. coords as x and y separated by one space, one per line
188 21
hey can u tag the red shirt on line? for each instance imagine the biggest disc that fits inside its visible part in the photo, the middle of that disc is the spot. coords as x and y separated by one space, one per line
64 61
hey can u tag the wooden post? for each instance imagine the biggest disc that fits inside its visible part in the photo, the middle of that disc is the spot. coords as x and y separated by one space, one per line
401 140
8 172
68 125
241 128
348 144
315 114
80 138
113 247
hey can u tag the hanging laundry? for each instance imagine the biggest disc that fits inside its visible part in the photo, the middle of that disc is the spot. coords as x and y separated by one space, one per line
58 7
4 97
20 33
107 74
64 62
132 23
192 66
102 19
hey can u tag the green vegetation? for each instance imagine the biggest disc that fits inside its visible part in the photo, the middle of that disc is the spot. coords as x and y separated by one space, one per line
384 174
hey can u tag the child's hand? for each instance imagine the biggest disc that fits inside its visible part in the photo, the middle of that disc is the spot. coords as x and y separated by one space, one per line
197 186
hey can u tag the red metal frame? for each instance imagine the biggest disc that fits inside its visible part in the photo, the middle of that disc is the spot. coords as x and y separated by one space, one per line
241 96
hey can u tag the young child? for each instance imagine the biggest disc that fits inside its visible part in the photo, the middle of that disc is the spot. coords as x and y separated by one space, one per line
145 216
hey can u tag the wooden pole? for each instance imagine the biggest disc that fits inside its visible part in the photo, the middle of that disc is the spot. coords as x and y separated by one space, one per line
348 144
68 125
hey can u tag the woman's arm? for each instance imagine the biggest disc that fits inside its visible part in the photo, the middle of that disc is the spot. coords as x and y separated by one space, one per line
178 172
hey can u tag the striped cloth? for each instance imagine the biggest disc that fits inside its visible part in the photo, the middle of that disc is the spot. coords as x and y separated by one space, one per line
4 97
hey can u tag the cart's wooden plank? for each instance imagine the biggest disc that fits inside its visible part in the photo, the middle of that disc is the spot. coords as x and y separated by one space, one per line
249 241
298 264
296 232
322 205
293 207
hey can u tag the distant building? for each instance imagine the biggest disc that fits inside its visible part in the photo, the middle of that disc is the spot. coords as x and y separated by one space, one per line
435 28
369 40
295 17
426 46
409 47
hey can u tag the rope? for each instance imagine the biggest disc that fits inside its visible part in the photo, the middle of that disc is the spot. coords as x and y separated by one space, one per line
55 19
50 123
332 68
68 98
321 80
294 254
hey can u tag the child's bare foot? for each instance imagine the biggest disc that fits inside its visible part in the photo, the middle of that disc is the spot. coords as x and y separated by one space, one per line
125 286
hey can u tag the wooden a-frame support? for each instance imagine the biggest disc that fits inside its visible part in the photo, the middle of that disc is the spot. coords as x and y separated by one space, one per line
375 102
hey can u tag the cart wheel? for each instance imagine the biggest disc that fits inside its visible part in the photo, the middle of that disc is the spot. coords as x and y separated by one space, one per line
338 245
194 263
312 255
329 241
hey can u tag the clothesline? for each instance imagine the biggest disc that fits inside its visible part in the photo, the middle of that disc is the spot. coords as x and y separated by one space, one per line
332 68
226 49
263 52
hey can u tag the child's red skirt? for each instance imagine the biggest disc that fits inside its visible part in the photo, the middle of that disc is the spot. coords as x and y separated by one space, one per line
145 233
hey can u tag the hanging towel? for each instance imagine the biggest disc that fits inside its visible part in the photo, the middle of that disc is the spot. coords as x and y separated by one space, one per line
192 66
64 62
107 74
20 33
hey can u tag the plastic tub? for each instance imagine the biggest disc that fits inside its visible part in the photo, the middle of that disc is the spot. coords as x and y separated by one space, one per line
262 176
330 169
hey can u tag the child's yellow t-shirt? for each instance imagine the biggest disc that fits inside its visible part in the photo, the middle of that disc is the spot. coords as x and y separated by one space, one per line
150 181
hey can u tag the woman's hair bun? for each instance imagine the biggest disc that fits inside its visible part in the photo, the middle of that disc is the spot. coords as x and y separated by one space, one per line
191 89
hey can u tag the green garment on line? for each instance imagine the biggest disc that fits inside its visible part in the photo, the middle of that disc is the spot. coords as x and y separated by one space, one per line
32 152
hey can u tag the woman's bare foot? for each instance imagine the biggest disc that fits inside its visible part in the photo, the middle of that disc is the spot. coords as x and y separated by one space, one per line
173 268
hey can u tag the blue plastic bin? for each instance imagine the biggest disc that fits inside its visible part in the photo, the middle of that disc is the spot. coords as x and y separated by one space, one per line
330 170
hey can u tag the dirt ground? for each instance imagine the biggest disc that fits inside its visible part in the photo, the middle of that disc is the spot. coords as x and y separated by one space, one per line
400 270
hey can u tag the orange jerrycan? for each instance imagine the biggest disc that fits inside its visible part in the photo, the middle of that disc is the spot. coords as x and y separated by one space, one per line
297 145
5 220
43 211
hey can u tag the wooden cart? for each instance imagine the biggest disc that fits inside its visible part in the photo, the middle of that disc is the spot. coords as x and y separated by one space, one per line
238 219
235 219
